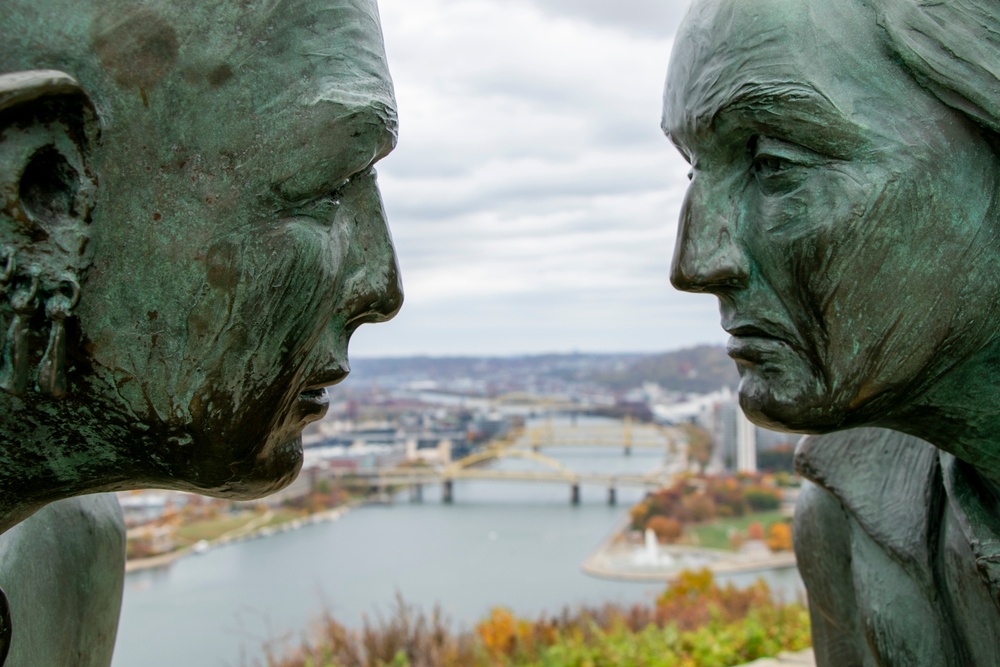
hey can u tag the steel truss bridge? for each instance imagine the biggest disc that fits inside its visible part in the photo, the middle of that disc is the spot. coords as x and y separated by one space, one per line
467 468
627 437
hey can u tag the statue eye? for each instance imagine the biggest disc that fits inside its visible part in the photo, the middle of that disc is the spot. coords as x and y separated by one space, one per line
780 166
323 208
768 164
765 158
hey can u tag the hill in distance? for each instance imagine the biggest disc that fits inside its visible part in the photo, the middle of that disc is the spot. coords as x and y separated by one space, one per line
696 370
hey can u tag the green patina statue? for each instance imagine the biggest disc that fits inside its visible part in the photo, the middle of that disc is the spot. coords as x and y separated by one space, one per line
65 570
190 231
843 207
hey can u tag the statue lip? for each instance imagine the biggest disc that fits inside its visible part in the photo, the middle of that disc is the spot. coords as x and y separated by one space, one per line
313 399
316 396
763 330
317 382
752 344
313 404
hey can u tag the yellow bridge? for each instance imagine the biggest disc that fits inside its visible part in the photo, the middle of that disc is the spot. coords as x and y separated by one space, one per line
627 436
466 468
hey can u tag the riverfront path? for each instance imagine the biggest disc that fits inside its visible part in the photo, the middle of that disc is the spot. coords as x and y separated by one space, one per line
801 659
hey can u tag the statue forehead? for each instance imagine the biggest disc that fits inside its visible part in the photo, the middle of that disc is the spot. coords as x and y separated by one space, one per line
323 50
726 46
297 89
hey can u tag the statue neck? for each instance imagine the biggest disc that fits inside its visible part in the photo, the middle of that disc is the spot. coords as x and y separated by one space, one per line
959 412
48 452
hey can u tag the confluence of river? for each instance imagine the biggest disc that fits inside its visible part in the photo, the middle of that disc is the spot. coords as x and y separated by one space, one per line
518 545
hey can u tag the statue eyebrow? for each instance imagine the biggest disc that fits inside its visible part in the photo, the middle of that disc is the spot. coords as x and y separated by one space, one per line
793 109
762 98
783 108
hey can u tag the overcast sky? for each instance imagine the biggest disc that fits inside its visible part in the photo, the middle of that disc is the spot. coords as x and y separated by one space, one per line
533 198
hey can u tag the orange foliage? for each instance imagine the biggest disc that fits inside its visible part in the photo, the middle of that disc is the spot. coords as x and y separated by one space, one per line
755 531
498 632
694 599
667 530
779 537
505 635
701 507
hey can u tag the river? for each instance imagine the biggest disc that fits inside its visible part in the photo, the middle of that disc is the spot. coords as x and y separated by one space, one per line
514 544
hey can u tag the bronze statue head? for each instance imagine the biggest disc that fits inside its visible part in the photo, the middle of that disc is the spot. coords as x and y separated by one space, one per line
842 204
192 231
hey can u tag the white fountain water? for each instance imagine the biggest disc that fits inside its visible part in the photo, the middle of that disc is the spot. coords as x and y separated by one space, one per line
651 555
652 546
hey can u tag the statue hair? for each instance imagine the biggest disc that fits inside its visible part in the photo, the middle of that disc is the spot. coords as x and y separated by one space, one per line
952 48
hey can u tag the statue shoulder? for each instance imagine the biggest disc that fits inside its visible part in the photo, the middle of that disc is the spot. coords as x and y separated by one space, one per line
64 570
887 481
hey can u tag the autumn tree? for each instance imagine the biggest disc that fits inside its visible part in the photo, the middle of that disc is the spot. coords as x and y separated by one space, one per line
667 530
699 444
779 537
762 499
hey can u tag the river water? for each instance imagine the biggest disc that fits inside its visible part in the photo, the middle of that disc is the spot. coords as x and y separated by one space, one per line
513 544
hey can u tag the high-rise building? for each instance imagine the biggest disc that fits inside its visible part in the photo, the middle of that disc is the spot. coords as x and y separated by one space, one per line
746 443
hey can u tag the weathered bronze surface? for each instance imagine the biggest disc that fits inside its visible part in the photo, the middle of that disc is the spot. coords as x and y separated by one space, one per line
843 208
190 231
189 203
64 571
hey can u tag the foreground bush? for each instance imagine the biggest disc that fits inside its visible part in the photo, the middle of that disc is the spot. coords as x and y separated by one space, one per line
694 623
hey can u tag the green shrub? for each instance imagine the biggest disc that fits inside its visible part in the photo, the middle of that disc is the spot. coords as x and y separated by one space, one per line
761 499
694 623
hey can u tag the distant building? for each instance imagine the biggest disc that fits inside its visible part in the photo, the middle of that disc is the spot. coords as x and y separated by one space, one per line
432 451
153 539
737 440
746 443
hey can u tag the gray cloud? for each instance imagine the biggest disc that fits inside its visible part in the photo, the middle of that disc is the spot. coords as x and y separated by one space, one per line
533 198
658 18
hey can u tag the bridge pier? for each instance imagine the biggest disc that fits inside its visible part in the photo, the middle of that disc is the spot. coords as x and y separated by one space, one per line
574 494
627 435
448 491
612 496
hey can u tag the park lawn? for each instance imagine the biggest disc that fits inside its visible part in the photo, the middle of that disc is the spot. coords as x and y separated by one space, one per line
283 516
210 529
715 534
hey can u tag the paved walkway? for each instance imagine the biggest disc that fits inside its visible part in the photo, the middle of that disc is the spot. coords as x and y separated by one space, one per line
802 659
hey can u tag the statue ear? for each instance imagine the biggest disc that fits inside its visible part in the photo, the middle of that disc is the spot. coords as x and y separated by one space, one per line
48 128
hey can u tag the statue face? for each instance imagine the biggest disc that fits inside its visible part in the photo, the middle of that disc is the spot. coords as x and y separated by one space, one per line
839 211
238 237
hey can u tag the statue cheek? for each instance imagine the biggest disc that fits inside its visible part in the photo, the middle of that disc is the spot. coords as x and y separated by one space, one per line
263 306
808 241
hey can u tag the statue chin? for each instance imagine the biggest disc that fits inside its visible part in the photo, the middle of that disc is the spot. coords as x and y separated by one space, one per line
240 465
789 401
265 474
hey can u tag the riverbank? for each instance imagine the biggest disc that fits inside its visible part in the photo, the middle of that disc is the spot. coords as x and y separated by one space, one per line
513 544
801 659
619 559
255 528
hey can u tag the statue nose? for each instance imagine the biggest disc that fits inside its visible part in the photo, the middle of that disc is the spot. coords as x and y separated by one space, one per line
707 257
385 294
373 291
